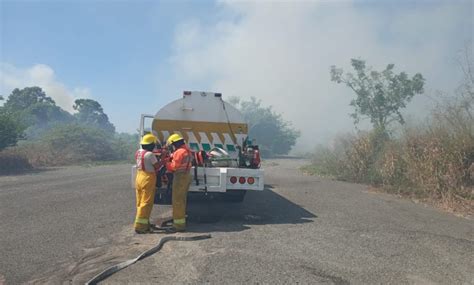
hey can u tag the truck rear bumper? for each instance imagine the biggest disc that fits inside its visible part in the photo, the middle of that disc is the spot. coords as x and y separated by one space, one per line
221 179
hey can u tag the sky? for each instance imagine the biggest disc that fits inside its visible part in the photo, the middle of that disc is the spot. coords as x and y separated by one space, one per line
134 57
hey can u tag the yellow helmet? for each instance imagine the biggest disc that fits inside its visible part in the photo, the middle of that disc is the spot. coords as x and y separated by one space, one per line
173 138
148 139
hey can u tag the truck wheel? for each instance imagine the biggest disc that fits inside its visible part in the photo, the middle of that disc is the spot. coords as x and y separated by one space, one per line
234 196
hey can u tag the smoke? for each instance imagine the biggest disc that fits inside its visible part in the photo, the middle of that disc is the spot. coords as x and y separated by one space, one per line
43 76
281 52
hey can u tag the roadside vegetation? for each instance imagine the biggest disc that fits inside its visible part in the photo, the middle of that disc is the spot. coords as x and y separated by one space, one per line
35 132
271 132
431 161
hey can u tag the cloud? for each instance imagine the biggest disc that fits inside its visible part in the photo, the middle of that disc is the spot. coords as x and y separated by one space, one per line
281 52
41 75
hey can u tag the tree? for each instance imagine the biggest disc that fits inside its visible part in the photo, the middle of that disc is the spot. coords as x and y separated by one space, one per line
90 113
36 110
27 97
380 95
11 130
273 134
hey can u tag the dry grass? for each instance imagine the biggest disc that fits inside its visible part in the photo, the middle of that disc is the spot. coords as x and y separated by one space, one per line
11 162
436 163
433 164
42 155
34 155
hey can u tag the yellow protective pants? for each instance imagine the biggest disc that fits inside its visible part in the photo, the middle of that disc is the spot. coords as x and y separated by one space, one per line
181 182
145 185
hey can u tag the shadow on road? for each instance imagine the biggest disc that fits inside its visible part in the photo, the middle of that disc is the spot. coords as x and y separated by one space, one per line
258 208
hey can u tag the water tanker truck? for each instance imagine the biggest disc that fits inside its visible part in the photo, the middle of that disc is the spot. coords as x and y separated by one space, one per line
226 161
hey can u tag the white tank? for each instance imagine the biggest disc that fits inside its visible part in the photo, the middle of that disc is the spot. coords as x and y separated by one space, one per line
204 120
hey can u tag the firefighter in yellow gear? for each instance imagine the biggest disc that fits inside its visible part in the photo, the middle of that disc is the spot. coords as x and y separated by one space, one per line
145 182
180 166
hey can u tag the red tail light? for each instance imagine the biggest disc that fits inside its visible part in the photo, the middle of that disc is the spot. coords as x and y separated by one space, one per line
187 93
233 180
242 180
250 180
256 159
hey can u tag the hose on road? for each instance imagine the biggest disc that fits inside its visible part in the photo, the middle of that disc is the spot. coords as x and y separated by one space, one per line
115 268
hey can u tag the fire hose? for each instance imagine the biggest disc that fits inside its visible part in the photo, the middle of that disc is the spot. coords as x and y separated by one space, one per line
115 268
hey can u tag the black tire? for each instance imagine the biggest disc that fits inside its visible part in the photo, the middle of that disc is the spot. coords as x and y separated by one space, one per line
234 196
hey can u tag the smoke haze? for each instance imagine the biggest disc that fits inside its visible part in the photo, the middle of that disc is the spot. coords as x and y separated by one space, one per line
281 52
43 76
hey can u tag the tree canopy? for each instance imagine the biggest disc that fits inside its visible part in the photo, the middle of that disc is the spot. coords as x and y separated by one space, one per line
90 112
30 113
272 133
380 95
53 136
11 129
35 110
27 97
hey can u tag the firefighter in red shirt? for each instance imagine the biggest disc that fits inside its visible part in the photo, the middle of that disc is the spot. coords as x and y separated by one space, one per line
180 166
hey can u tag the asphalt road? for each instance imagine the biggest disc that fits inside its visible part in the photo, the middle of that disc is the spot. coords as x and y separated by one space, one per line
70 223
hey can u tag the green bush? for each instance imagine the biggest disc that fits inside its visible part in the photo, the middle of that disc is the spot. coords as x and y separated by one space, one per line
326 162
125 146
68 144
55 137
73 143
351 157
11 130
363 155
